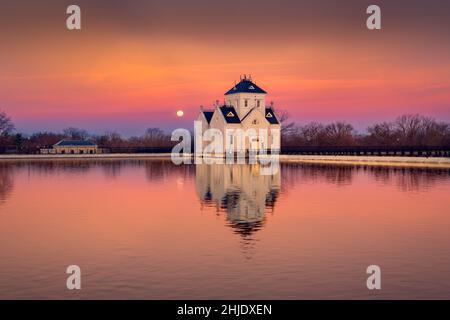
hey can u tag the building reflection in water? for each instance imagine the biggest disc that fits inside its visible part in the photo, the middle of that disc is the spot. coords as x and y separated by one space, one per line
6 181
240 191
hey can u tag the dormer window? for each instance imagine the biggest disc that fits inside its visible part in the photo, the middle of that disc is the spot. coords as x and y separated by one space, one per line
251 88
230 114
269 115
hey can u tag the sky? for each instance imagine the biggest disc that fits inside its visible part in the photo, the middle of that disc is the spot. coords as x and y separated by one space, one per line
135 63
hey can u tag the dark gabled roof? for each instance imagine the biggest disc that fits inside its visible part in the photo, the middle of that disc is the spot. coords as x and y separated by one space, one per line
208 115
230 114
245 85
270 116
75 143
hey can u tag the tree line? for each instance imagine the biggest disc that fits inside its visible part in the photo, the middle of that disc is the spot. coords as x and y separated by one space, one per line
406 130
9 138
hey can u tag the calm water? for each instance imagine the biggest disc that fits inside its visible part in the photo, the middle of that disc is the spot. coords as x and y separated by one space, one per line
149 229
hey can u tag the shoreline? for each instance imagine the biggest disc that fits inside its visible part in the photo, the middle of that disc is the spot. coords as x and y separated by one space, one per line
385 161
83 156
420 162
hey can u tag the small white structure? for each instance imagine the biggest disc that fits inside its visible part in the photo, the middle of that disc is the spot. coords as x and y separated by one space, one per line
75 147
245 108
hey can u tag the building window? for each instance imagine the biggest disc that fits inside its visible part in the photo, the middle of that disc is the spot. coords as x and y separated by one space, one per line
258 103
255 121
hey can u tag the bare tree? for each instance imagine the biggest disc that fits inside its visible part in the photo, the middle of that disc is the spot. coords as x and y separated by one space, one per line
115 140
287 127
311 134
6 125
339 134
382 134
75 133
155 137
409 130
44 139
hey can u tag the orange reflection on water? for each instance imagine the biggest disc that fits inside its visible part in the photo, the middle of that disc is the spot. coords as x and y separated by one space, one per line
149 229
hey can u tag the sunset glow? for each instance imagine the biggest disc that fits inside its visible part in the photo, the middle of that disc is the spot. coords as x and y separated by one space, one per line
130 69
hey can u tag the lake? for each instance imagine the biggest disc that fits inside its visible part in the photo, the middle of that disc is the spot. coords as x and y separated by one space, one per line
148 229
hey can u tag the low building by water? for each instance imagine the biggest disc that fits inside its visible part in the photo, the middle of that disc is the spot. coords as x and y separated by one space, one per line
73 147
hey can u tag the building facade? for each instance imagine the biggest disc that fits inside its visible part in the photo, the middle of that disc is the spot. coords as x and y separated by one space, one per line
244 111
74 147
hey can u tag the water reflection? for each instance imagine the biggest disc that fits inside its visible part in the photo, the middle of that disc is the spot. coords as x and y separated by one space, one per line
406 179
292 173
238 190
410 179
246 197
304 233
6 181
241 192
158 170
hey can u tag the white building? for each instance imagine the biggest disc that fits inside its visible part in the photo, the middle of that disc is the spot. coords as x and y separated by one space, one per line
245 108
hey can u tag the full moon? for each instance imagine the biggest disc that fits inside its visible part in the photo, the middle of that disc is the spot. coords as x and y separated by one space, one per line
180 113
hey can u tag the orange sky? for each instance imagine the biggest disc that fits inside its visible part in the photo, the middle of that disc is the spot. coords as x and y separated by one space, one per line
133 65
